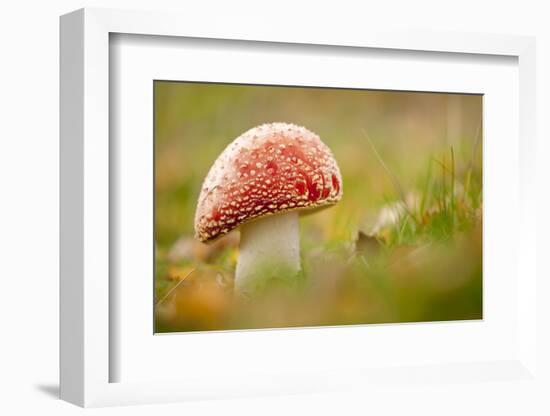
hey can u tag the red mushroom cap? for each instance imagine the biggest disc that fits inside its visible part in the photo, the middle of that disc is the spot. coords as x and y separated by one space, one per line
270 169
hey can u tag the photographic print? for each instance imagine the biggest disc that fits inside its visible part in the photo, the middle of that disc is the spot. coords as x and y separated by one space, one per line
283 206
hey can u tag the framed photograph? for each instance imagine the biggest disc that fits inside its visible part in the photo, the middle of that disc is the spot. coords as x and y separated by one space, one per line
272 211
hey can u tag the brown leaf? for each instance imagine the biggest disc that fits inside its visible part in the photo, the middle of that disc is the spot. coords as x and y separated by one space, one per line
367 245
178 273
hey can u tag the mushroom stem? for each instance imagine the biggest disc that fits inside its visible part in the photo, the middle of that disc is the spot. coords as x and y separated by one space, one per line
269 252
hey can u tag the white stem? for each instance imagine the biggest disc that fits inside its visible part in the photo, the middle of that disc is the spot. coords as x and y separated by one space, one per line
269 250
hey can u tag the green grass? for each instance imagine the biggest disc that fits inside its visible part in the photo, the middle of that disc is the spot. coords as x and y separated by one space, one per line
401 273
445 207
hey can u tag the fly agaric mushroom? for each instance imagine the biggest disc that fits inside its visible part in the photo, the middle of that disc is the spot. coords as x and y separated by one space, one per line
260 183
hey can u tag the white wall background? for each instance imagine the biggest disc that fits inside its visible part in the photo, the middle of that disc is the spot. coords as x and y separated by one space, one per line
29 191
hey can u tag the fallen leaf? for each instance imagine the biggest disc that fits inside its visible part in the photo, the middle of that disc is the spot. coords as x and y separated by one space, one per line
367 245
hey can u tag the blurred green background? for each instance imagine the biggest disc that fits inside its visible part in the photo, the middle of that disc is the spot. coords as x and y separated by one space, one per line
404 244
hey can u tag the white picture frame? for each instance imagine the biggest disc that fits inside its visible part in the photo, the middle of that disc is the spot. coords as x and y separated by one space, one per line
86 163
